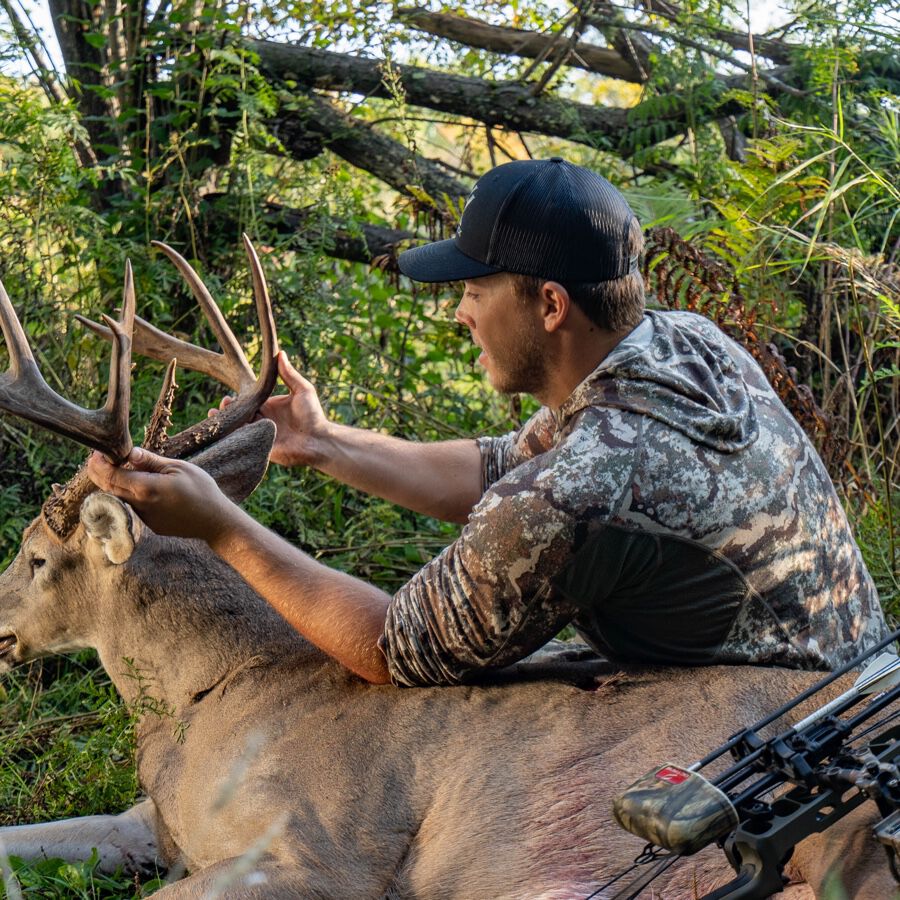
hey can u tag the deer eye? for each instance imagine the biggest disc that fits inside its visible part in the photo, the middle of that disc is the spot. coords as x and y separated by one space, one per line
36 563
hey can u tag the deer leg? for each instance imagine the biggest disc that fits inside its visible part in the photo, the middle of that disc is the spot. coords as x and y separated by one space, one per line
848 854
126 841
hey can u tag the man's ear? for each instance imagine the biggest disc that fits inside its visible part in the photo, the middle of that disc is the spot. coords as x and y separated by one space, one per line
238 462
555 305
113 525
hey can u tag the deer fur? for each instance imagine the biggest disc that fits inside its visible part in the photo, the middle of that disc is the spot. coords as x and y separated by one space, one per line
271 772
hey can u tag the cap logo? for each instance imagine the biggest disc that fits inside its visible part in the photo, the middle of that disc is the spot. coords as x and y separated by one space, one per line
465 207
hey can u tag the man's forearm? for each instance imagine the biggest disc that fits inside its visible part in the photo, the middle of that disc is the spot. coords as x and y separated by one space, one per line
338 613
441 479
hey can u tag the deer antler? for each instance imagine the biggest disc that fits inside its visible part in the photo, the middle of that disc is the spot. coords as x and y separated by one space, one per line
230 367
24 393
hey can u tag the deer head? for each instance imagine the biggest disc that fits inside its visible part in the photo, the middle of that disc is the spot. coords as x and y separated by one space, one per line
79 550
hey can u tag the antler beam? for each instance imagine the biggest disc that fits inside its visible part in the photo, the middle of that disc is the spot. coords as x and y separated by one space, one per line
25 393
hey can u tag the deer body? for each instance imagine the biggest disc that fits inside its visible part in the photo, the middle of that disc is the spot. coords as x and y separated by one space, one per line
271 771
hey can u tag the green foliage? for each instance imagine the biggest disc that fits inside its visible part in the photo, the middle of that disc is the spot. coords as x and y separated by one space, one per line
54 878
66 743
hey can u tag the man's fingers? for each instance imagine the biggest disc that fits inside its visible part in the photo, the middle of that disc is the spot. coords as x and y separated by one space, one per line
144 461
132 484
292 379
227 400
100 470
110 478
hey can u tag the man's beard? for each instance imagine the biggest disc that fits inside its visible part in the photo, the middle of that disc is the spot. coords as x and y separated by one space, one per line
521 367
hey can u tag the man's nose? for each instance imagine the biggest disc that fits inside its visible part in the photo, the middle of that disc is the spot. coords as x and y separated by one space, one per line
462 314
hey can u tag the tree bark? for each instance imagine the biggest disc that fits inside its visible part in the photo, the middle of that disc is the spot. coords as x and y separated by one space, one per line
315 122
85 64
506 104
517 42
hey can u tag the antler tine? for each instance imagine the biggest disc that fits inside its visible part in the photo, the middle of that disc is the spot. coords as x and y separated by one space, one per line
229 367
251 396
236 369
25 393
118 396
269 367
155 434
21 358
149 341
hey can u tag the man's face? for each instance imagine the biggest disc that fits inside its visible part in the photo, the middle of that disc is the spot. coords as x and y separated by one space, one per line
508 330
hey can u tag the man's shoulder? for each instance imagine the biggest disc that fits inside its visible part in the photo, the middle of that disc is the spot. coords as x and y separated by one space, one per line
589 466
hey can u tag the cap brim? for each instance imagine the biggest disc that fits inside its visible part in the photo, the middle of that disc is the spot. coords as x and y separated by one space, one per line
441 261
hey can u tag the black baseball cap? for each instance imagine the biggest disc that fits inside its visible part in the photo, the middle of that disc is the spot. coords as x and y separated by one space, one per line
542 217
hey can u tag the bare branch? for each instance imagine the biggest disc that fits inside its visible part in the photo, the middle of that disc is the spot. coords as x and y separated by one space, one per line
766 76
775 50
630 45
517 42
364 147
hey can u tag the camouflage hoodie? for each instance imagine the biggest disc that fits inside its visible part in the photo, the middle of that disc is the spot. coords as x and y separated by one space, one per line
672 509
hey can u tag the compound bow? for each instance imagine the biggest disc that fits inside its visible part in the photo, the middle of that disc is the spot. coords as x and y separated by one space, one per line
779 790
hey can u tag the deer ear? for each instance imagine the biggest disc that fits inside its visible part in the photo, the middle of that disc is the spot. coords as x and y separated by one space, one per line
238 462
113 525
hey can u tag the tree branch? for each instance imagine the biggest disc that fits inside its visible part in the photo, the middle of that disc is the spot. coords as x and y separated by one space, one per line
775 50
361 243
767 76
516 42
46 75
506 104
32 47
630 45
356 242
313 123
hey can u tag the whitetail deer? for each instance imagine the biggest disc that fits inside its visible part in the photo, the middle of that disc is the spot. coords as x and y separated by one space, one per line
269 771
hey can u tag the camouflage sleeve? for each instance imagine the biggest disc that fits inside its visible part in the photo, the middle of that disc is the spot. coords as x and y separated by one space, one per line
500 455
487 600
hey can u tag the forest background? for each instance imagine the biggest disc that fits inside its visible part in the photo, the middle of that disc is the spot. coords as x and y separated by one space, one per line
764 166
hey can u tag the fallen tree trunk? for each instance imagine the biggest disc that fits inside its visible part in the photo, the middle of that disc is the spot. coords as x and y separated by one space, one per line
506 104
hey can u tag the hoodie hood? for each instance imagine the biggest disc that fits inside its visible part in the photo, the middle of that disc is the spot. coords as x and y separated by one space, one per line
678 368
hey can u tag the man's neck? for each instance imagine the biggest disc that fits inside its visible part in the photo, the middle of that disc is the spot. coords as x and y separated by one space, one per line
578 355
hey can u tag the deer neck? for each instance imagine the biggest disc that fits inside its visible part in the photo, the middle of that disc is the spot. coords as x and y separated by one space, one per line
182 621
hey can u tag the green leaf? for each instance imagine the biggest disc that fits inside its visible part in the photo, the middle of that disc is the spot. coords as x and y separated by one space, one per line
95 39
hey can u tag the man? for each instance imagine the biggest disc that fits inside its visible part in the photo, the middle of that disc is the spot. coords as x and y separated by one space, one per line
662 499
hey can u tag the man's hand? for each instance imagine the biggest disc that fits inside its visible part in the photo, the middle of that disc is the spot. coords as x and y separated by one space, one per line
299 417
172 496
441 479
